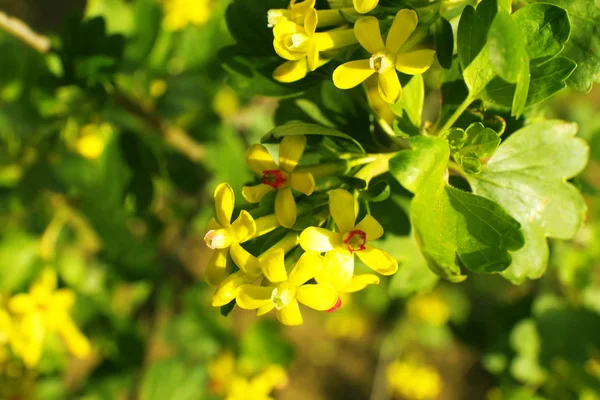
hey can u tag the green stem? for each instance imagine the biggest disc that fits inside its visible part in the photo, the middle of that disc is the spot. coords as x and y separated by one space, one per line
463 106
377 167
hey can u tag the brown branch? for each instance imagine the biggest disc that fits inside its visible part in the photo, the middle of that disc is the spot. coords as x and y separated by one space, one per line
24 33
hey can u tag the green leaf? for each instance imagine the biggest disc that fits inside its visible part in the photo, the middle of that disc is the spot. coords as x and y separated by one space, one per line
303 128
444 42
19 256
546 79
506 49
410 105
528 177
480 140
584 43
453 228
545 27
472 34
174 379
148 19
251 74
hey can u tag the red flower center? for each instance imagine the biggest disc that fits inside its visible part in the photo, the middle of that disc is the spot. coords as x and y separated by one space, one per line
337 305
274 178
355 241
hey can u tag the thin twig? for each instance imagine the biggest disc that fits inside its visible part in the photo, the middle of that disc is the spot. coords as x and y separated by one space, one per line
24 33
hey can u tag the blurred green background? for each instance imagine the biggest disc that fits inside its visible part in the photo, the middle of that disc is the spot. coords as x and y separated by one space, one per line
110 151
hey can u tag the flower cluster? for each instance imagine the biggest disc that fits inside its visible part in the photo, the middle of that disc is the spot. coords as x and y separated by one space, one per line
29 318
309 265
300 38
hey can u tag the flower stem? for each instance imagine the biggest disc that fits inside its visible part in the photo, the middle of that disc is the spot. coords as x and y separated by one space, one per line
461 108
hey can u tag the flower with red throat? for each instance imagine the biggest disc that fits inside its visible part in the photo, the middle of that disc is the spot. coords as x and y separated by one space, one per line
281 178
349 239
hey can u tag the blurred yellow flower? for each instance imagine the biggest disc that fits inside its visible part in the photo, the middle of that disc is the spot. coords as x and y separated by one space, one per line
429 307
385 59
6 334
90 146
226 102
349 325
286 290
158 87
41 312
281 178
226 381
181 13
349 239
224 236
412 381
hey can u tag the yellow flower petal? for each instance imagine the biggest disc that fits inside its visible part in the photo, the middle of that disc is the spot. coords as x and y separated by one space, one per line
227 290
285 207
254 194
338 269
319 239
290 314
303 7
371 227
251 297
389 86
415 62
266 224
378 260
312 56
290 151
359 282
259 159
244 260
264 309
302 182
364 6
341 207
219 239
272 377
224 203
351 74
318 297
368 34
405 23
291 71
21 303
63 299
76 342
281 33
215 270
273 265
306 268
244 227
310 21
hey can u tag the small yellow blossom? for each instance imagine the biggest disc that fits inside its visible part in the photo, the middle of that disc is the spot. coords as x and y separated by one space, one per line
181 13
413 381
226 102
361 6
90 146
286 290
294 42
298 11
280 178
430 308
224 236
158 87
385 58
251 268
41 312
226 381
349 239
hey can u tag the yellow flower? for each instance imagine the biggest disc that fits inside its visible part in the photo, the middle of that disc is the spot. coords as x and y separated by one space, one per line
251 268
288 290
345 242
385 59
294 42
413 381
90 146
224 235
429 308
181 13
361 6
280 178
45 311
292 71
297 12
221 371
6 334
259 387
